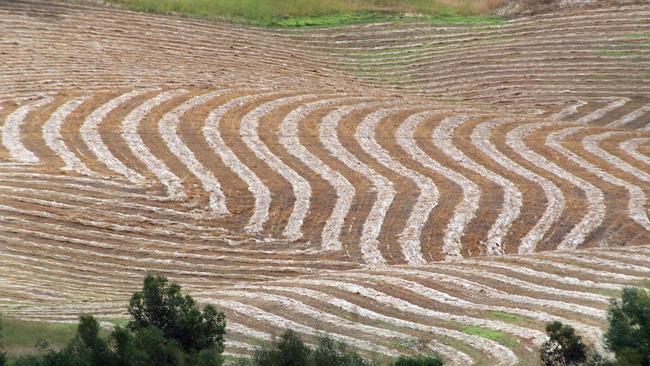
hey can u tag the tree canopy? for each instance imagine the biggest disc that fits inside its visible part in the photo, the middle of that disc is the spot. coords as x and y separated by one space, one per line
628 336
166 328
564 347
161 304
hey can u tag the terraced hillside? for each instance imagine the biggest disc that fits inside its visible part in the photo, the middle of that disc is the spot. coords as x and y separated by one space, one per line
262 173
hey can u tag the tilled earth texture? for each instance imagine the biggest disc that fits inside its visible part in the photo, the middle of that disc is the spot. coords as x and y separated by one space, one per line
402 187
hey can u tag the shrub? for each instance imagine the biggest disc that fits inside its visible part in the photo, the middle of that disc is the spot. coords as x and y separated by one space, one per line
155 349
564 347
88 334
162 305
330 352
3 356
595 359
628 336
289 350
418 361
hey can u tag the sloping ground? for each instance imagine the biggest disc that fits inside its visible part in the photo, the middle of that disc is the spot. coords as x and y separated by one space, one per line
48 46
444 308
527 63
248 165
529 7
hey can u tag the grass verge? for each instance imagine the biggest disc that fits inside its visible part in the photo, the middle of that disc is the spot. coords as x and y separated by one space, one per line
493 335
505 317
303 13
19 337
638 36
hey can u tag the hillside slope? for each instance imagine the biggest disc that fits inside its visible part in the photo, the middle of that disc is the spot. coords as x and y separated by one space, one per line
404 188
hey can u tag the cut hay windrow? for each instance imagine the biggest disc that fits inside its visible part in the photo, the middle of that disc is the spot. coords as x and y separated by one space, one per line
281 322
631 147
352 188
595 274
512 197
255 185
466 209
427 197
168 127
131 136
11 136
384 190
555 203
345 191
426 292
91 136
349 307
568 111
597 114
301 188
533 274
630 117
54 139
636 204
591 144
498 294
596 208
353 308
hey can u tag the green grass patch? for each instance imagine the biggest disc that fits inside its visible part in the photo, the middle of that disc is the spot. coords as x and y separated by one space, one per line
332 20
616 53
303 13
19 336
494 335
475 20
366 18
638 36
122 322
505 317
606 292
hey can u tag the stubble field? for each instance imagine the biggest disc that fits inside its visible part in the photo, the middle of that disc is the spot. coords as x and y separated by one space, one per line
400 186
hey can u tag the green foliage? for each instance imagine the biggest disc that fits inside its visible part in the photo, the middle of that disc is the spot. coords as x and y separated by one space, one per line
162 305
506 317
76 353
3 356
20 336
155 349
166 329
292 13
379 17
616 53
149 346
418 361
330 352
88 332
491 334
595 359
564 347
628 336
638 36
290 350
